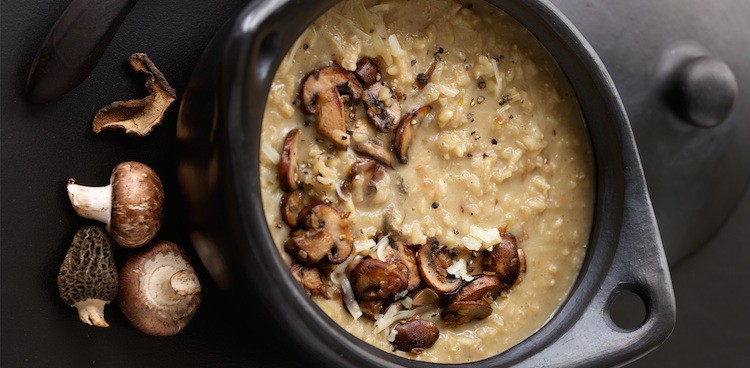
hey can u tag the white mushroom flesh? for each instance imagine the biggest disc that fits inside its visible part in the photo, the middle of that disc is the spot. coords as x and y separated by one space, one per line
91 312
93 203
166 279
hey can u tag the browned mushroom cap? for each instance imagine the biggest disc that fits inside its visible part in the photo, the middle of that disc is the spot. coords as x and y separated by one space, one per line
132 205
367 173
485 288
288 168
465 311
415 335
433 269
334 222
424 297
291 205
408 258
367 71
374 279
371 308
309 246
383 114
324 92
370 146
405 132
138 117
308 278
503 260
159 291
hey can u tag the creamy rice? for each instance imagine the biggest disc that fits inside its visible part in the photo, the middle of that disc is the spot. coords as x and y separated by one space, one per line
504 146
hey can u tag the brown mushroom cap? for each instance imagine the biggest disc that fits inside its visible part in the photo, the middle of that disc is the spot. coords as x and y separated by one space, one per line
385 117
367 71
374 279
288 168
291 205
415 335
484 287
370 146
137 204
367 173
371 308
433 270
309 246
405 132
460 312
408 258
324 92
424 297
503 261
159 292
334 222
308 278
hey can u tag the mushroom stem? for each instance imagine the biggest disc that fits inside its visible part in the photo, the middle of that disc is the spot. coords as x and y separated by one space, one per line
185 282
93 203
91 312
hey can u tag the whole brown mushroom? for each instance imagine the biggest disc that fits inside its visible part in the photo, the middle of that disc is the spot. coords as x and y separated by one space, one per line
159 291
132 205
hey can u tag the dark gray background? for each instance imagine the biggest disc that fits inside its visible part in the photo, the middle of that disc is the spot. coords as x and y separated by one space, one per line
42 146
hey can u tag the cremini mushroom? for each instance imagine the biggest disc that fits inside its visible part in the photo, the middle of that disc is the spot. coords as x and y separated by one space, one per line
308 278
159 291
138 117
486 288
291 205
503 261
364 174
424 78
464 311
370 145
407 256
371 308
288 169
383 107
333 221
374 279
309 246
132 205
433 261
405 132
415 335
367 71
324 92
424 297
88 275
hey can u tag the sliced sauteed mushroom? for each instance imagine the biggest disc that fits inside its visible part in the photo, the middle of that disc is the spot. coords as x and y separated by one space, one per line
367 71
424 297
132 205
405 132
424 78
88 275
308 278
333 221
371 308
291 205
288 168
159 291
415 335
374 279
465 311
309 246
432 266
370 146
324 92
407 256
503 261
486 288
138 117
365 174
383 107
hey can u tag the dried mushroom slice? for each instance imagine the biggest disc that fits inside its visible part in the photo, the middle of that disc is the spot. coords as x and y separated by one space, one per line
432 266
288 168
138 117
415 335
88 275
374 279
405 132
308 278
383 107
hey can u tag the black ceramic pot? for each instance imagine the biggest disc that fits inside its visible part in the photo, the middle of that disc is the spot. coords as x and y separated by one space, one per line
219 133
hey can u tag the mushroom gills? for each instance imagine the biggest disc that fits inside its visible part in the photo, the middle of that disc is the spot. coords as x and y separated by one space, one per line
432 267
374 279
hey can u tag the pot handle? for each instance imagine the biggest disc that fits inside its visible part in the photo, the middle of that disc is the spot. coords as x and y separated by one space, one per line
639 266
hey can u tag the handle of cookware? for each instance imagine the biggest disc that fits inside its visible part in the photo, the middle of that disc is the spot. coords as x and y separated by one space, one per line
639 266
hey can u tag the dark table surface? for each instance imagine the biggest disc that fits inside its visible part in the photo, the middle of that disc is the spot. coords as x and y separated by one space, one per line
42 146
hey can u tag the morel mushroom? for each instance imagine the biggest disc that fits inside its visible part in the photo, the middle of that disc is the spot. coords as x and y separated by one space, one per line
370 146
415 335
132 205
433 261
405 132
383 107
308 278
88 275
324 92
503 261
460 312
367 71
159 291
374 279
288 168
138 117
